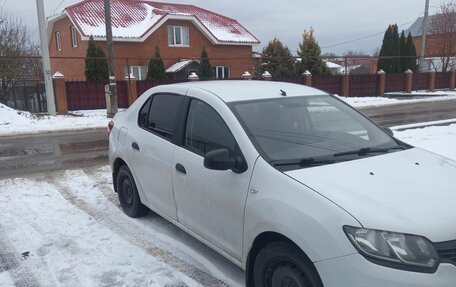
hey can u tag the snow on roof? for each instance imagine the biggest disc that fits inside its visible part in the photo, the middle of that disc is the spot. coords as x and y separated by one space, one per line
180 65
332 65
133 19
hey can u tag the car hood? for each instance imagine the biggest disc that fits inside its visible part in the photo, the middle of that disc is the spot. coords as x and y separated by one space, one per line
411 191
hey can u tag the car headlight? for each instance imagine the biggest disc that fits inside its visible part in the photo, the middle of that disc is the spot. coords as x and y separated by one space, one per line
402 251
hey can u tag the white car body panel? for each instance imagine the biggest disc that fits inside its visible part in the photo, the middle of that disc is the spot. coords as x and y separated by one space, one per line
409 198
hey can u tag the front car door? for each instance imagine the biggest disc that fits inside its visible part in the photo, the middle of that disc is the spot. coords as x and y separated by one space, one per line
209 202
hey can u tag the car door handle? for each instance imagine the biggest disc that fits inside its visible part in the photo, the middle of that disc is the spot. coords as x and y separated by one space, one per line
135 146
180 168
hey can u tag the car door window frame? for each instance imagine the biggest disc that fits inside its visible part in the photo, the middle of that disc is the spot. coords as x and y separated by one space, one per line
177 121
183 126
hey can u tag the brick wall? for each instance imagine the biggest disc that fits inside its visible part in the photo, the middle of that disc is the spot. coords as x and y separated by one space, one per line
238 58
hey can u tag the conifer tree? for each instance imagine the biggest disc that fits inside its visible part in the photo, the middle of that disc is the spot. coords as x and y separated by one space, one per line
102 66
310 54
403 52
390 52
410 51
96 65
277 60
156 69
205 70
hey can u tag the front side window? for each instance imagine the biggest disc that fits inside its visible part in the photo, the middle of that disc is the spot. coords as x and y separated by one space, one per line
206 130
74 37
178 36
159 113
306 129
58 41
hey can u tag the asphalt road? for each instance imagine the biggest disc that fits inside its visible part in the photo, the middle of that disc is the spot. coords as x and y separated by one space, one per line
54 151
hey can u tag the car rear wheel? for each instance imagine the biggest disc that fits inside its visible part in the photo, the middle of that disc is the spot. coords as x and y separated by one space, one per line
282 264
128 194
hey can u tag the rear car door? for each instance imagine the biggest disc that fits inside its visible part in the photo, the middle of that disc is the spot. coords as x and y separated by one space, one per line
152 149
209 202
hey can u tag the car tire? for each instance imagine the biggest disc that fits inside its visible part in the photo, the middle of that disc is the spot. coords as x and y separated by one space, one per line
128 194
284 264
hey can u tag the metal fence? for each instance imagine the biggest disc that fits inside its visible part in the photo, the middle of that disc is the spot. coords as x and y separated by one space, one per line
363 85
395 83
83 95
331 84
25 95
420 81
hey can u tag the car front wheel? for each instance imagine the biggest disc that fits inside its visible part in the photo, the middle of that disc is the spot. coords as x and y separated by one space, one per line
128 194
282 264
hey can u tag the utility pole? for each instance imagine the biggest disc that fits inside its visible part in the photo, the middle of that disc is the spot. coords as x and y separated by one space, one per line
50 100
423 36
111 99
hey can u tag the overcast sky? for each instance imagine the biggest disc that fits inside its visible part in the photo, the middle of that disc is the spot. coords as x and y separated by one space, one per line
334 21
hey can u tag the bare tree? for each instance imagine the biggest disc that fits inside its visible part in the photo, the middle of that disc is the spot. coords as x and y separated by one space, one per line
443 29
16 48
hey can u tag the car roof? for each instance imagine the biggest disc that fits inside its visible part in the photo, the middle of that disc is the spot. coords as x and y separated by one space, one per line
246 90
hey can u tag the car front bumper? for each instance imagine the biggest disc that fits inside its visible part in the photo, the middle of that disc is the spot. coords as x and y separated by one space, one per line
356 271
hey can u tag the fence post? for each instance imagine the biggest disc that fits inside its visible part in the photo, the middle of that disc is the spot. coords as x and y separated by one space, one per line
266 76
346 85
60 93
132 89
431 81
381 79
307 78
452 79
408 81
246 76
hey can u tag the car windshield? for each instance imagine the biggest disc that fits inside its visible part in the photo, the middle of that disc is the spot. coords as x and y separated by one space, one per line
310 130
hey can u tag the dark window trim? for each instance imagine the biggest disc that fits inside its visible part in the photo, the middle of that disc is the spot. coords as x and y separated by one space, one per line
183 127
174 137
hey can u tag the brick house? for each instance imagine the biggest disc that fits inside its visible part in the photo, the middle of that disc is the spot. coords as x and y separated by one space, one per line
180 31
433 41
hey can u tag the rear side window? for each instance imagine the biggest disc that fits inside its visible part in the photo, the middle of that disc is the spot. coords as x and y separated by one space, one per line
206 130
158 115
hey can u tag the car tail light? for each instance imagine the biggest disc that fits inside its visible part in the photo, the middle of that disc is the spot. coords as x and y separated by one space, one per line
110 126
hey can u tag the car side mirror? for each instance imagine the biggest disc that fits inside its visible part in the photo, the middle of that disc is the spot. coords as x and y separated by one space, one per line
388 131
219 159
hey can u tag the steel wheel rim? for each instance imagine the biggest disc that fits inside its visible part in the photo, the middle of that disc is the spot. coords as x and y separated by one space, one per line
127 191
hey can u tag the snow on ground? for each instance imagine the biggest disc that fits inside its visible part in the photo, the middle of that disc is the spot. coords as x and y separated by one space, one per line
72 231
13 122
364 102
438 139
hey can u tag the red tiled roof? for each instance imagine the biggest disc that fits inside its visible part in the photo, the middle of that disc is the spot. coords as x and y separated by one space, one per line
135 18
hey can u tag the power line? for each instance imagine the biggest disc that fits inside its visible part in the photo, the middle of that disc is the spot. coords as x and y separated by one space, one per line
58 6
362 38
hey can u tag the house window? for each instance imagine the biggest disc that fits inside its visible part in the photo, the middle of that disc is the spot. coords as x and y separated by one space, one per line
74 37
221 72
58 41
139 72
178 36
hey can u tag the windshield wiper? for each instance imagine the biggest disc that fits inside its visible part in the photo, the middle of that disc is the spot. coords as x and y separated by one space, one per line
368 150
310 161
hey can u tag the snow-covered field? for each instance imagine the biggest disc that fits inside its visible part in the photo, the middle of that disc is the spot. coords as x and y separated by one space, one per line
66 228
14 122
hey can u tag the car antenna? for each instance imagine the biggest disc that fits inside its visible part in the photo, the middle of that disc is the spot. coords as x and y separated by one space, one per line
283 93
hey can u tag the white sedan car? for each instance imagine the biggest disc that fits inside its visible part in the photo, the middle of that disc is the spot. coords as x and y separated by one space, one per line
289 183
